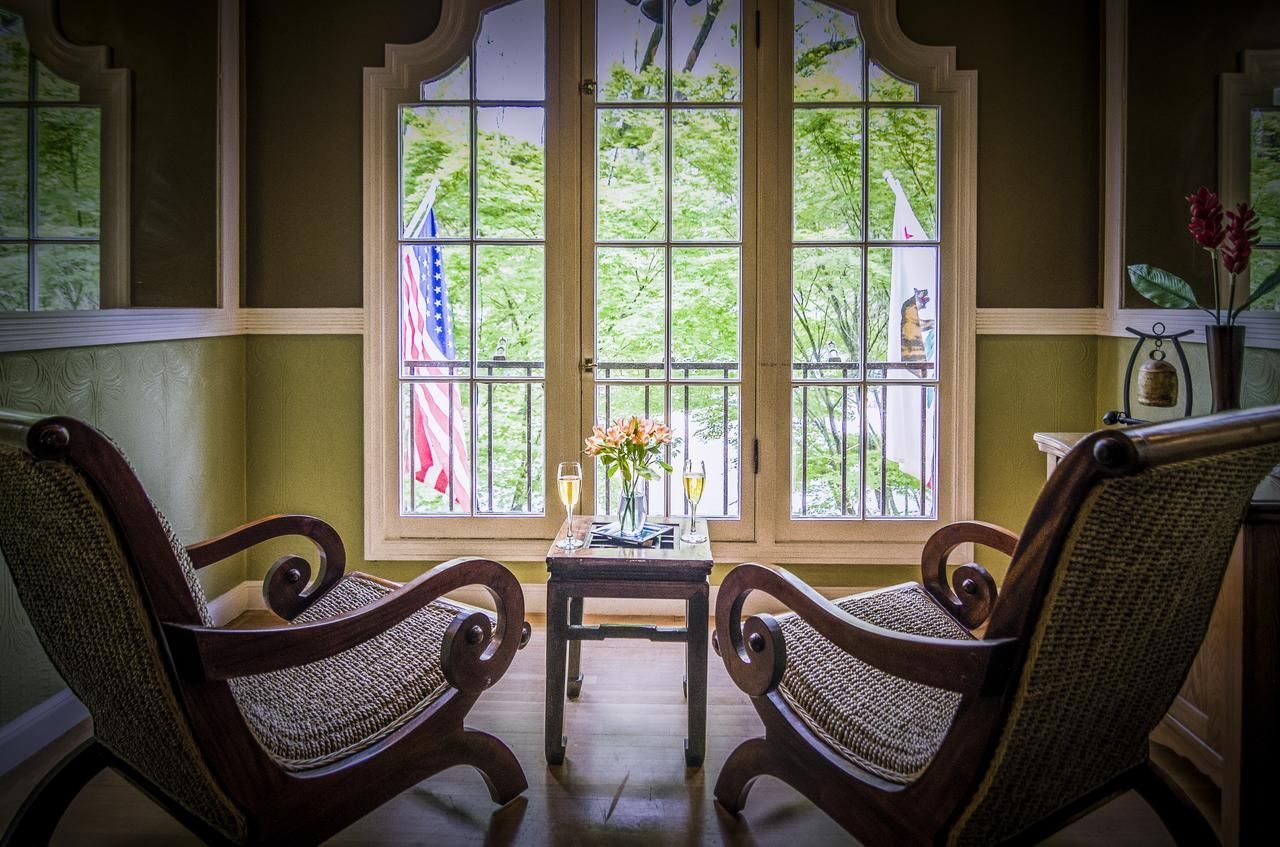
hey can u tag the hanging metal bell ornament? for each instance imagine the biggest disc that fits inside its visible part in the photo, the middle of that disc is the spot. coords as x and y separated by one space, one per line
1157 382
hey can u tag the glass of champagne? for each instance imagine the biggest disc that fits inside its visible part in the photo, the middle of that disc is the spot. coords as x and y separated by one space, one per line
695 477
569 483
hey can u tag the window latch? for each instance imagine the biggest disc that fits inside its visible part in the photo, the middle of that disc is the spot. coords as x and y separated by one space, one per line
588 86
589 365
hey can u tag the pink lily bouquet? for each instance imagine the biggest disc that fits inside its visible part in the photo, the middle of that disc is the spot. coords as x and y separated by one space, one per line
1229 244
631 447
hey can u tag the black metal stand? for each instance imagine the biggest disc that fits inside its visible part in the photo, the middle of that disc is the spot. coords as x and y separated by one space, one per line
1157 335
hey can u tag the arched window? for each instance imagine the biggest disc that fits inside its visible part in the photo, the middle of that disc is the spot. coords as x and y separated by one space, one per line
63 164
752 220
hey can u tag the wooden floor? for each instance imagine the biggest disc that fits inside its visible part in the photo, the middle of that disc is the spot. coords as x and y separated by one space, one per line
623 782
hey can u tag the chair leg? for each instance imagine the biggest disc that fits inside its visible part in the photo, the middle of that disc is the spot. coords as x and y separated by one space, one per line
39 816
494 760
1176 810
750 761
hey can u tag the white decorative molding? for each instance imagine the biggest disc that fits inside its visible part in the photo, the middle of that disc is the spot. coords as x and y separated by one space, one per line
38 727
1040 321
45 330
302 321
233 602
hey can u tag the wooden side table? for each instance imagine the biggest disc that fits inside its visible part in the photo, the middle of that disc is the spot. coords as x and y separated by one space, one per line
677 572
1223 720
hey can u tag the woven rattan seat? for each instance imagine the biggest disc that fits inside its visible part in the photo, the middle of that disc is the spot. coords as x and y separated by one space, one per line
883 724
315 714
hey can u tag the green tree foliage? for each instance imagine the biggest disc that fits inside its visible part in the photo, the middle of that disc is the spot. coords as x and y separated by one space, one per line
1264 182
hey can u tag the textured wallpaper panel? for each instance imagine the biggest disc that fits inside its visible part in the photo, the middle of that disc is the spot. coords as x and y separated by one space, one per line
177 410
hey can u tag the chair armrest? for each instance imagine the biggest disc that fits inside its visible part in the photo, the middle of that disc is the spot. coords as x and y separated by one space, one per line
474 655
756 659
284 588
972 592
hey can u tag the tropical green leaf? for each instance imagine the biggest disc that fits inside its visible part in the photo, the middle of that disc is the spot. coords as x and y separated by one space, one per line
1162 288
1268 285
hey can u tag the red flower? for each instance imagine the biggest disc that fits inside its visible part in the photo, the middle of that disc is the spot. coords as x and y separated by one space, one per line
1241 236
1206 219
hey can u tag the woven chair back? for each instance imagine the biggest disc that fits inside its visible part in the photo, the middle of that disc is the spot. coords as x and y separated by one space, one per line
1126 610
83 598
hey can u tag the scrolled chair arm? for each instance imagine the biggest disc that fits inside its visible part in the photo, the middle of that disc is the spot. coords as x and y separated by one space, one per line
475 652
285 588
755 652
972 592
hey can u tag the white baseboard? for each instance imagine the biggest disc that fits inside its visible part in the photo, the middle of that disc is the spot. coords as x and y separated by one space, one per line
38 727
232 603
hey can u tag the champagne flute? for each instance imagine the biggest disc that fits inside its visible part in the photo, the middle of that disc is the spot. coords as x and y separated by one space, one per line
569 483
695 477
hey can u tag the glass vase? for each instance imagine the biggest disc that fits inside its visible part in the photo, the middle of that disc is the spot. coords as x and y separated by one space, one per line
632 511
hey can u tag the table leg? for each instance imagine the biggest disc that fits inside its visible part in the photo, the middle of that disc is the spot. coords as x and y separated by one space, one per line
695 745
575 648
557 624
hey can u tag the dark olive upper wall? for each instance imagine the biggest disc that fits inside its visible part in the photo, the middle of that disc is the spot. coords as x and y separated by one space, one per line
1038 152
1038 129
304 73
171 51
1176 53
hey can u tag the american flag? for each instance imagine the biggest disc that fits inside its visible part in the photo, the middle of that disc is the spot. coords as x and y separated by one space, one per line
439 453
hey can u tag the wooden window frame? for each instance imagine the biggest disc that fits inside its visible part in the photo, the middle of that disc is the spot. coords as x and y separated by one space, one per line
764 530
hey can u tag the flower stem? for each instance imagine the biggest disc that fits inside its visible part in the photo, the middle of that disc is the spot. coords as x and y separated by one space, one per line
1217 307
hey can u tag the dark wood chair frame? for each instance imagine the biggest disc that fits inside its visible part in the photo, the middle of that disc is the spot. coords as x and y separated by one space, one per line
984 671
279 806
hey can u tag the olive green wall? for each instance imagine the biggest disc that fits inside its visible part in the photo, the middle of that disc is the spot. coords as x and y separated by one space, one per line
177 409
1176 53
1038 131
171 51
1038 142
303 71
305 437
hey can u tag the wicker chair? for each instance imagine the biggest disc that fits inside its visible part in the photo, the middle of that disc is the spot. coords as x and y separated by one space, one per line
280 734
925 714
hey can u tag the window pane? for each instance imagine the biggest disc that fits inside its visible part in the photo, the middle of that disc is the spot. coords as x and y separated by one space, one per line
902 428
904 150
826 312
50 86
512 298
902 289
510 53
886 87
1262 264
706 50
13 173
705 421
828 53
706 156
67 276
827 175
623 401
511 172
435 448
435 309
1264 172
510 449
435 171
630 312
825 434
631 56
15 59
69 172
14 295
455 85
704 312
630 187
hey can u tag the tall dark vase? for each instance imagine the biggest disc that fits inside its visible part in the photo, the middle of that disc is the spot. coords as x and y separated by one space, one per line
1226 364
